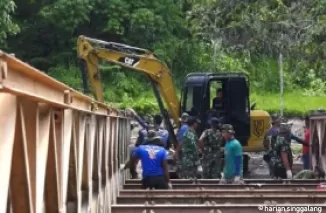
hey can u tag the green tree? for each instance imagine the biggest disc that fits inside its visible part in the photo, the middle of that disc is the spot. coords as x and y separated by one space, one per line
7 25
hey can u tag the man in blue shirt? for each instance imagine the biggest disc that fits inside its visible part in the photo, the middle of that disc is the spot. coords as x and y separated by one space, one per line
182 130
232 172
184 126
153 158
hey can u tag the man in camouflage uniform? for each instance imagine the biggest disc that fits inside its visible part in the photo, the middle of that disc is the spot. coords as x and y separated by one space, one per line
281 160
190 159
269 141
210 143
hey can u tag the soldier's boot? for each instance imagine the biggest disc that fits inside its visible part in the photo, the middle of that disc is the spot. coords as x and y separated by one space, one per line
133 173
206 170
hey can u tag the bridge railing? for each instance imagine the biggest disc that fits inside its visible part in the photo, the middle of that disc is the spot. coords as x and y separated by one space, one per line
60 150
318 139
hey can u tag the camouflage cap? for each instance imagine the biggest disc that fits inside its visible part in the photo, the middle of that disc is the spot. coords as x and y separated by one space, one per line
228 127
285 128
184 117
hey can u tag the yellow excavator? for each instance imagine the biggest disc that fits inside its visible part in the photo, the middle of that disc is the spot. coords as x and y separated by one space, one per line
197 93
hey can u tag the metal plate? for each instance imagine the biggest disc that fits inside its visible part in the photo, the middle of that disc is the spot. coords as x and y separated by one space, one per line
216 181
218 192
235 208
225 199
243 187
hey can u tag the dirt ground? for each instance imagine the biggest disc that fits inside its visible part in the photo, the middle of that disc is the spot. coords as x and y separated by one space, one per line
258 169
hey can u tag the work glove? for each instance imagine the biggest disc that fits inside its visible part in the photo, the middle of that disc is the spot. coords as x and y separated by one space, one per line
199 169
222 181
170 185
122 167
288 174
237 180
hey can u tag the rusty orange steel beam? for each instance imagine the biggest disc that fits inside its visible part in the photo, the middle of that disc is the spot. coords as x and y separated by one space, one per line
21 79
57 152
317 125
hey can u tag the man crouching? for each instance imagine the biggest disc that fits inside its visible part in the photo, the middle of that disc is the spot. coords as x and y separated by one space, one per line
306 174
153 158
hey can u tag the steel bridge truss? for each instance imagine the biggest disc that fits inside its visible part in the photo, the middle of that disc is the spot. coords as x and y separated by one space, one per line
59 149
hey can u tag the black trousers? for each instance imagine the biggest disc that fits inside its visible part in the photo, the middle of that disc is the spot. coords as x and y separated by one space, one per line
156 182
280 172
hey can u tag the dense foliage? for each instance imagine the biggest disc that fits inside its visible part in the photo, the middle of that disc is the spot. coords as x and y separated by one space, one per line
190 36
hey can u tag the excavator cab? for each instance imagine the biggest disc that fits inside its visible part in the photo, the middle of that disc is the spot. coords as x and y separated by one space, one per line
199 98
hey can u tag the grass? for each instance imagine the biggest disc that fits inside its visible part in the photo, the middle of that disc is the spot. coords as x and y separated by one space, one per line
295 104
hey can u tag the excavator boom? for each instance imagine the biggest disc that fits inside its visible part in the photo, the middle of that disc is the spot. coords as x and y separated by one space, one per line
90 51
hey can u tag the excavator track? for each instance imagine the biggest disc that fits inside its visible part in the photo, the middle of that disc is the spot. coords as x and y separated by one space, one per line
256 195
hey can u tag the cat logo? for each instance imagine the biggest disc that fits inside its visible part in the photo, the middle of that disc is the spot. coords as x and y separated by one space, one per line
130 61
258 128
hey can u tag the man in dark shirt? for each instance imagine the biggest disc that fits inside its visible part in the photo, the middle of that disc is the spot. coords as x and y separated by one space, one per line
269 141
158 119
218 100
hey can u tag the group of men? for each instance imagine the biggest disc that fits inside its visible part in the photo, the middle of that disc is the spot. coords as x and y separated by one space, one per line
203 156
215 154
279 156
194 155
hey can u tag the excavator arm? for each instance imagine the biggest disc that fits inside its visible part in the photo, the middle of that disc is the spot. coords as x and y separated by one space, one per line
90 51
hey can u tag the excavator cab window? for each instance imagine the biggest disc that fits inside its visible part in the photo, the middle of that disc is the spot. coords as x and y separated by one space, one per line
216 96
238 107
192 100
215 106
200 90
